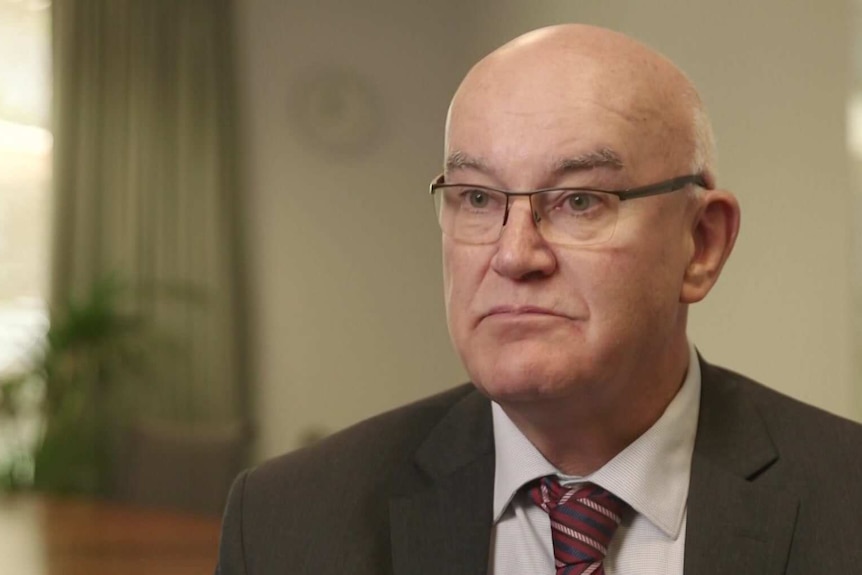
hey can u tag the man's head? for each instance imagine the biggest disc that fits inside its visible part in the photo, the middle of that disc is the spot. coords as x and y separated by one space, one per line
577 106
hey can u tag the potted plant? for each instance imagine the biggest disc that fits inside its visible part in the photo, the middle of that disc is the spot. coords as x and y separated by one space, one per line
79 388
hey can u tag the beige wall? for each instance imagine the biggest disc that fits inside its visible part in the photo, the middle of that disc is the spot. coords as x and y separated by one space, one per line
348 318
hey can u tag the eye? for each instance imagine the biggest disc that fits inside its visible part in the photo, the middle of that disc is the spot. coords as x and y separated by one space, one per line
478 198
581 202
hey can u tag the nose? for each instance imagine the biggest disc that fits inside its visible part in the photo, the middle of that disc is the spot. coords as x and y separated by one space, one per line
522 253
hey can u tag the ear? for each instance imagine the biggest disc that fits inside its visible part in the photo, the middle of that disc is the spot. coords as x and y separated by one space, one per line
714 230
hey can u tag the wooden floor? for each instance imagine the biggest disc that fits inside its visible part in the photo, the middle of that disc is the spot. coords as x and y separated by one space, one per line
51 536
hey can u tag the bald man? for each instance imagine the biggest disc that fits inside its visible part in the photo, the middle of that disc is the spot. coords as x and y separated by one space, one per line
580 218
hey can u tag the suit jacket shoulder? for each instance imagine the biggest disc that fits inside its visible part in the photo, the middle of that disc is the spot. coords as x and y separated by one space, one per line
281 516
773 479
819 444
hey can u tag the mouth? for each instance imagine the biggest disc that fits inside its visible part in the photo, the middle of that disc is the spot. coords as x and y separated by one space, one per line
526 311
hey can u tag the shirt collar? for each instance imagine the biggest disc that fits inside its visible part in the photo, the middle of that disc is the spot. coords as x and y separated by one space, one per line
651 474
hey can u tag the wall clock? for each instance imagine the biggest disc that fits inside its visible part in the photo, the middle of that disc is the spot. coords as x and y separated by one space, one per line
337 110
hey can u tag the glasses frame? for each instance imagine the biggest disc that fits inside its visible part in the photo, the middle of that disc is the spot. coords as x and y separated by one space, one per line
663 187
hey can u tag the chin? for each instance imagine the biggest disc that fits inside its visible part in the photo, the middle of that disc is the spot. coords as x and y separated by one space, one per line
531 360
518 376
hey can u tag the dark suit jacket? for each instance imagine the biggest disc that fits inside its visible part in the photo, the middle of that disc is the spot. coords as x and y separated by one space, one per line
776 487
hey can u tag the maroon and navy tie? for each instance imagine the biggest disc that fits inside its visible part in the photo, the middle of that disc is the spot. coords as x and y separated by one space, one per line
583 521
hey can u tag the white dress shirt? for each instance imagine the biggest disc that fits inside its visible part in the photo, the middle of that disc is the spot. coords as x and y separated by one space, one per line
651 475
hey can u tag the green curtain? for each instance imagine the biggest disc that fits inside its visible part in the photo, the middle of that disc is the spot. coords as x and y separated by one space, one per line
146 176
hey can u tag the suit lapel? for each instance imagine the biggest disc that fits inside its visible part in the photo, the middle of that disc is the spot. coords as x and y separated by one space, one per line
737 521
441 516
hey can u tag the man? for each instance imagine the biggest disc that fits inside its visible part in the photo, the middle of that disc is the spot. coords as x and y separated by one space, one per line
580 218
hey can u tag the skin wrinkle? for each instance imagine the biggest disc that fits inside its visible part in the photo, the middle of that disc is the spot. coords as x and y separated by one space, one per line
587 379
603 157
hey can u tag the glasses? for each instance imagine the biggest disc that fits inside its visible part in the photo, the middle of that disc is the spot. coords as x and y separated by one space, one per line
566 216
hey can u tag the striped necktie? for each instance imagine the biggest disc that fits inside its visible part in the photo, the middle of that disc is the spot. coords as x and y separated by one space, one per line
583 520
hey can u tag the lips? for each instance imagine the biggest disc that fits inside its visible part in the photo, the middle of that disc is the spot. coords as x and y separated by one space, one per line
524 310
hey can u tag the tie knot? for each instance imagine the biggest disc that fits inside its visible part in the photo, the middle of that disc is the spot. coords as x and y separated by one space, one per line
583 519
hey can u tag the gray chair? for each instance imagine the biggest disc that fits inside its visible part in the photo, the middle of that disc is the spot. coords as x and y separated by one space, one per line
184 467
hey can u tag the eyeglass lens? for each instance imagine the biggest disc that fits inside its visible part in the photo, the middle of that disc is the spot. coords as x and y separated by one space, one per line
575 217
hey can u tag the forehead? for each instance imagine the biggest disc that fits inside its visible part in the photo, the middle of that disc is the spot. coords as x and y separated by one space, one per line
522 121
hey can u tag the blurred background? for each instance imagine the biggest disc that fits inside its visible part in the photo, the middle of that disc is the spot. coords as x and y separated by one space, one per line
216 243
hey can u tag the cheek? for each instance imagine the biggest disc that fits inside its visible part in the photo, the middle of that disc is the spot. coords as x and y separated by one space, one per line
463 270
637 290
622 285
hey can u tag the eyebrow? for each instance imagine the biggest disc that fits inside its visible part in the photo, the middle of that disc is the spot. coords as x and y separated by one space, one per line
601 158
459 159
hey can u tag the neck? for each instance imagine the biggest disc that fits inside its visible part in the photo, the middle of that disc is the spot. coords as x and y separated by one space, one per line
582 432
